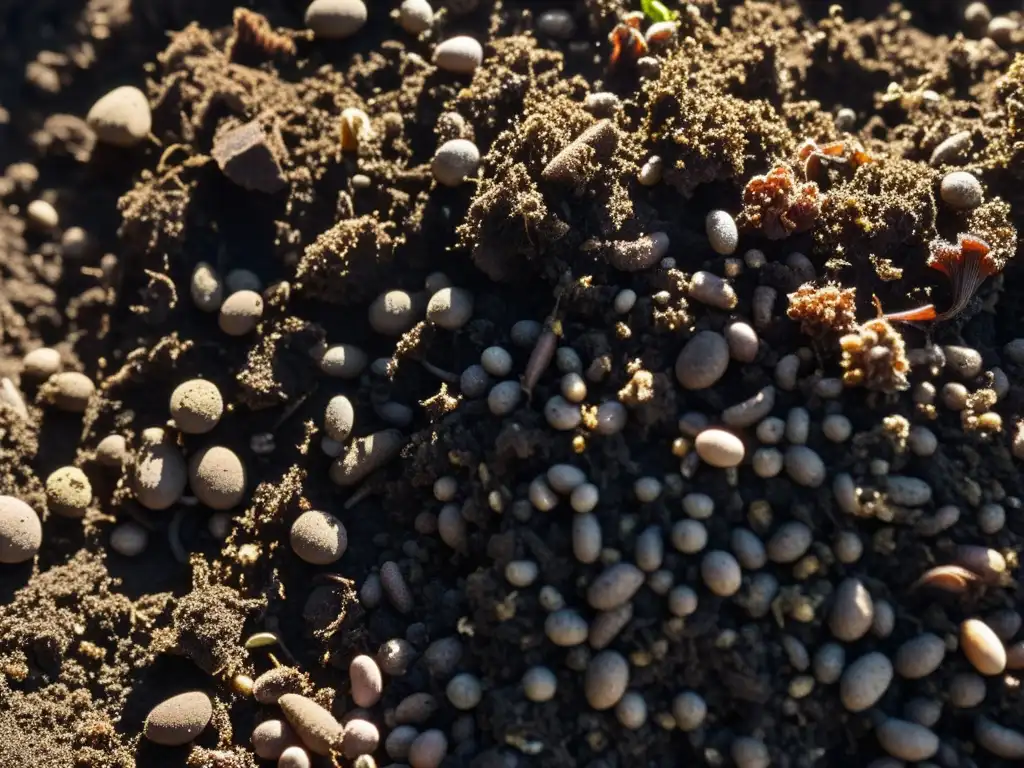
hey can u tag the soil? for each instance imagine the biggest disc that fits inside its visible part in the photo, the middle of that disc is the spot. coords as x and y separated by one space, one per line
91 640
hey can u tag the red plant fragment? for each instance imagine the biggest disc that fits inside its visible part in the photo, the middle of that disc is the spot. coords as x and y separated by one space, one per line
779 205
626 39
814 156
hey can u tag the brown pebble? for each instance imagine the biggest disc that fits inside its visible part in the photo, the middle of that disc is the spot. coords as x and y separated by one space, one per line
317 727
21 533
606 679
160 474
367 683
240 313
275 683
429 749
365 455
614 586
702 361
272 737
112 451
865 681
982 647
907 741
246 155
217 477
920 656
318 538
361 738
40 364
179 719
852 612
69 391
196 406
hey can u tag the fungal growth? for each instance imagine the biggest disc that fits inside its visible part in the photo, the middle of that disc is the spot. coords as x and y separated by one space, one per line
778 204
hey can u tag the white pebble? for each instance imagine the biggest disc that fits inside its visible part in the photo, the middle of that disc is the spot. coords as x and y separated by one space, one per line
541 495
722 232
565 478
540 684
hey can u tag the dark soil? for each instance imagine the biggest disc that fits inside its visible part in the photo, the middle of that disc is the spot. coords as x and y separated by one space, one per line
91 640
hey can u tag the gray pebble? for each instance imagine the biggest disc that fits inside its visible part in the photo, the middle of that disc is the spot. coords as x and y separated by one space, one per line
415 16
450 308
702 361
504 397
952 151
961 190
335 19
722 232
392 313
460 55
455 161
556 23
474 381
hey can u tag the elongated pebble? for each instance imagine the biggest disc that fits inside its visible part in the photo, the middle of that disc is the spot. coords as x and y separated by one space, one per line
272 737
789 543
719 448
614 586
906 740
217 477
160 474
566 628
361 738
907 491
586 537
636 255
982 647
294 757
606 626
722 233
852 611
565 478
416 708
804 466
920 656
415 17
999 740
366 455
317 727
708 288
429 749
397 591
606 679
721 573
179 719
335 19
702 361
865 681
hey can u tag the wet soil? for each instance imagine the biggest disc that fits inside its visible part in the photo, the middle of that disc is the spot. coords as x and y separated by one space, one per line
91 640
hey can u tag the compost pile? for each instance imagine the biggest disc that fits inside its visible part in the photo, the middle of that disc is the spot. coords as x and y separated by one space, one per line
509 384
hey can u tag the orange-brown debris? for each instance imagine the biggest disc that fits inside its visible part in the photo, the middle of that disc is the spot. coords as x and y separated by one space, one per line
875 357
830 309
778 204
254 30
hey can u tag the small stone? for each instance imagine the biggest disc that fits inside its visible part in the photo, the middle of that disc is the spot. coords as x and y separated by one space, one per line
217 477
964 362
271 738
606 679
952 151
129 539
907 741
21 532
702 361
160 474
920 656
70 391
722 232
361 738
41 363
415 16
961 190
68 492
556 23
460 55
852 612
365 455
342 361
865 681
614 586
719 448
982 647
450 308
805 466
179 719
196 406
335 19
429 749
367 682
455 161
294 757
112 451
464 691
319 538
246 155
240 313
721 573
392 313
121 117
317 727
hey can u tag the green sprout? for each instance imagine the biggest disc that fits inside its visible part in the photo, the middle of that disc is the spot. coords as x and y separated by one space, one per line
655 10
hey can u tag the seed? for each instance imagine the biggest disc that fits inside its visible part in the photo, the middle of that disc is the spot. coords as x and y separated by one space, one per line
68 492
11 397
240 313
318 538
129 539
789 543
702 361
586 538
355 130
415 17
521 573
275 683
566 628
271 738
496 361
217 477
1006 623
70 391
196 406
852 611
719 448
445 488
416 708
614 586
429 749
982 647
1000 741
361 737
335 19
961 190
395 588
721 573
966 690
450 308
611 418
865 681
920 656
749 752
804 466
550 599
160 473
540 684
121 117
464 691
179 719
365 455
907 741
722 233
710 289
460 55
606 679
21 533
689 536
455 161
294 757
1001 30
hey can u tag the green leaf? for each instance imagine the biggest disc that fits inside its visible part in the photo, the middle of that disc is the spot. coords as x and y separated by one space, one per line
655 10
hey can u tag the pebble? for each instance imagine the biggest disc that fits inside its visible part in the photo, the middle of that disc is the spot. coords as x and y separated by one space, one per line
40 364
455 161
179 719
524 334
837 428
565 478
689 710
317 727
961 190
611 418
399 741
450 308
719 448
748 548
743 341
710 289
991 519
804 466
920 656
196 406
606 679
240 313
651 171
748 752
416 708
294 757
852 611
504 397
68 492
442 656
1000 741
907 741
217 477
721 573
789 543
566 628
160 474
319 538
767 462
415 16
461 55
343 361
539 684
121 117
982 647
689 536
631 711
787 371
699 506
206 288
271 738
496 361
614 586
275 683
722 233
751 411
71 391
907 491
366 455
586 538
464 691
922 441
556 23
242 280
335 19
682 601
474 381
11 397
952 150
702 361
339 418
828 663
21 532
429 749
966 690
361 738
129 539
521 573
865 681
392 313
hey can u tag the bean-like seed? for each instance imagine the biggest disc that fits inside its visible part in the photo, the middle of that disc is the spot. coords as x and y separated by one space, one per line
584 498
920 656
797 653
991 518
395 656
699 506
496 361
763 589
650 549
317 728
631 711
767 462
272 737
982 647
798 425
682 601
828 663
461 55
961 190
415 709
521 573
771 430
442 656
748 752
923 711
787 371
451 527
743 341
318 538
837 428
504 397
399 741
179 719
611 418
